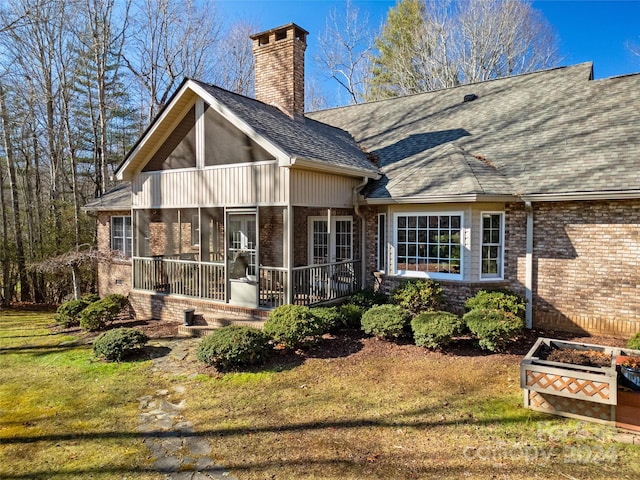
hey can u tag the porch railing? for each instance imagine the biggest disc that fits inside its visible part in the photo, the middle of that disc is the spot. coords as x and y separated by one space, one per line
311 284
319 283
180 277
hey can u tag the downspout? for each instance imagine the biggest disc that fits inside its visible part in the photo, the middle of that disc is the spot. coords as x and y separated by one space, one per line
356 208
528 282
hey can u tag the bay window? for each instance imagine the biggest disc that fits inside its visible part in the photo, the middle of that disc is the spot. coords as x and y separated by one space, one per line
429 245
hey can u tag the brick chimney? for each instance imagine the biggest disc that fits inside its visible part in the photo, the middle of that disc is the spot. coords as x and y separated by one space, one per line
279 67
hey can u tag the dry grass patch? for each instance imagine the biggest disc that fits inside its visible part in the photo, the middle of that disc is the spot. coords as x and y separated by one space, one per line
396 411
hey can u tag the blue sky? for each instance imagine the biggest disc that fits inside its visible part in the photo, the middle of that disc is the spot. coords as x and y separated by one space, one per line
595 30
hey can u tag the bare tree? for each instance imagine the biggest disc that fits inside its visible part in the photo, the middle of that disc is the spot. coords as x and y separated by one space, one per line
345 50
235 59
428 44
500 38
172 39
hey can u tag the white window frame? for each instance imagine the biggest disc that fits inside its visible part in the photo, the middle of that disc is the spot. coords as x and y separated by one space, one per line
126 252
382 250
500 274
420 274
332 236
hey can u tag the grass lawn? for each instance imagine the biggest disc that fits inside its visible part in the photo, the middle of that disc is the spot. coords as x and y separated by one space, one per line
351 408
62 413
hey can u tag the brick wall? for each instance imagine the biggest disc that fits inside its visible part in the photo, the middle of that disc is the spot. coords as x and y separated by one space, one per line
113 276
271 236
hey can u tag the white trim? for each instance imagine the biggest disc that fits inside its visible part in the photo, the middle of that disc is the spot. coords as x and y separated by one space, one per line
124 237
393 267
234 165
528 281
500 275
200 137
382 268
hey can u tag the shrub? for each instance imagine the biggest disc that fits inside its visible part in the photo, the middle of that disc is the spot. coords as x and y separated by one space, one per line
292 325
68 314
351 315
91 297
497 300
385 321
634 342
233 346
418 296
329 318
367 299
493 328
119 343
435 329
99 314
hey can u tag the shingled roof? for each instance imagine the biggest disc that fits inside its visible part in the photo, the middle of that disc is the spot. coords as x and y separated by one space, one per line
546 133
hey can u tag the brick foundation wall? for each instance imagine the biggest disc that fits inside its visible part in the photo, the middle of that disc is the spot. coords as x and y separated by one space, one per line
147 305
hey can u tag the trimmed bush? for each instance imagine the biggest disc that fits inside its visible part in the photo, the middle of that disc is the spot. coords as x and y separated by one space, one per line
329 317
119 343
385 321
493 328
351 315
91 297
418 296
99 314
367 299
68 314
233 346
293 325
505 300
634 342
435 329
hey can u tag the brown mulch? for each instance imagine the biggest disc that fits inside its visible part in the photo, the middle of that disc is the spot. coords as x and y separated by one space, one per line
153 329
573 356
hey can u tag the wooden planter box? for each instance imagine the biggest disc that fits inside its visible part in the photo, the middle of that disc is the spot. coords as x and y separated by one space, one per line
576 391
587 393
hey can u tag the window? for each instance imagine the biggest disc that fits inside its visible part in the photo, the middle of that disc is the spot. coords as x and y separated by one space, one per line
330 245
429 245
492 245
382 242
121 239
242 246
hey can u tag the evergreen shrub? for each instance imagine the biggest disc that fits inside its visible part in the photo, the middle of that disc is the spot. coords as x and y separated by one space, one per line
293 325
119 343
99 314
435 329
634 342
418 296
233 346
385 321
505 300
493 328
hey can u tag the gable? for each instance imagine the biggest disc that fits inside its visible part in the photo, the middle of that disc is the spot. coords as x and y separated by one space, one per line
179 149
225 144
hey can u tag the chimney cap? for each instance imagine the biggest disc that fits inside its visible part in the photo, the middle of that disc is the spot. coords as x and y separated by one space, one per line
299 30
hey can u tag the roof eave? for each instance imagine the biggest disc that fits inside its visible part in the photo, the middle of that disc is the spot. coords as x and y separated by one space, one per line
465 198
574 196
317 165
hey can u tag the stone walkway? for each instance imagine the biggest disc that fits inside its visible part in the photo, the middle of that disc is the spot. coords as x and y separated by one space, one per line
176 449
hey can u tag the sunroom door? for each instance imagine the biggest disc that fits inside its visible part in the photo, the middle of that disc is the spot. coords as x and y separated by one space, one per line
242 249
329 245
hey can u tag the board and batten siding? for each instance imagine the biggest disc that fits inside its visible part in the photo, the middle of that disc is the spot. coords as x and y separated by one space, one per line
314 189
261 183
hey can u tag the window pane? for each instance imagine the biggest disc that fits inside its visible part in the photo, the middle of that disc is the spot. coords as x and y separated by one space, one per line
491 245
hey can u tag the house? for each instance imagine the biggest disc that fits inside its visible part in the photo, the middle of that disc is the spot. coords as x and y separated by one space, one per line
239 205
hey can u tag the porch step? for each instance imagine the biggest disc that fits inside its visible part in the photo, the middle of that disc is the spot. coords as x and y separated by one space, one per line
195 330
213 324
